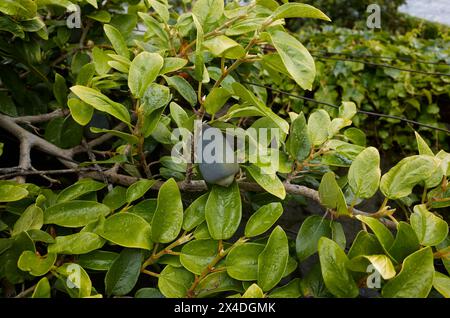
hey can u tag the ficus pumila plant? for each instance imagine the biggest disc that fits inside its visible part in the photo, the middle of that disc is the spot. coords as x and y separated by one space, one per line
151 225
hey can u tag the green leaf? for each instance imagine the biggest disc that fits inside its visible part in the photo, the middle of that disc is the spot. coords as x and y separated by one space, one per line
365 244
298 10
262 109
405 243
100 59
269 182
404 176
31 218
422 146
101 102
75 213
138 189
318 123
100 16
155 97
8 258
78 189
273 260
430 229
195 213
208 12
381 263
254 291
174 282
11 193
242 261
127 229
223 211
415 278
382 233
216 283
60 90
78 243
42 289
299 143
117 40
183 87
124 272
223 46
441 283
198 254
364 173
290 290
334 271
160 9
75 280
40 236
34 264
331 195
296 58
263 219
80 111
148 293
97 260
311 230
168 216
179 115
144 69
215 100
172 64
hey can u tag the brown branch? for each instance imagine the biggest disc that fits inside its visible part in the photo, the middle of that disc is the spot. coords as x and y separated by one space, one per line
34 119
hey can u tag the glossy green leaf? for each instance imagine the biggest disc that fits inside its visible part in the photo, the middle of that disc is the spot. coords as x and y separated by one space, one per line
299 143
422 146
382 233
331 195
148 293
269 182
143 71
335 274
115 198
31 218
97 260
223 211
75 280
11 193
254 291
273 260
441 283
34 264
263 219
117 40
381 263
311 230
81 112
215 100
138 189
168 216
216 283
198 254
318 123
174 282
124 272
183 87
195 213
127 229
364 173
155 97
430 229
78 189
78 243
172 64
401 179
415 278
405 243
290 290
242 261
298 10
75 213
224 46
296 58
101 102
43 289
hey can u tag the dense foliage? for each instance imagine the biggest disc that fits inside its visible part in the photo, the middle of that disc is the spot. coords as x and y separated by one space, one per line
417 96
103 102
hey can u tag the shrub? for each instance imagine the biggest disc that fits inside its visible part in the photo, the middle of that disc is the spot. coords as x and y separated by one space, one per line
104 104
